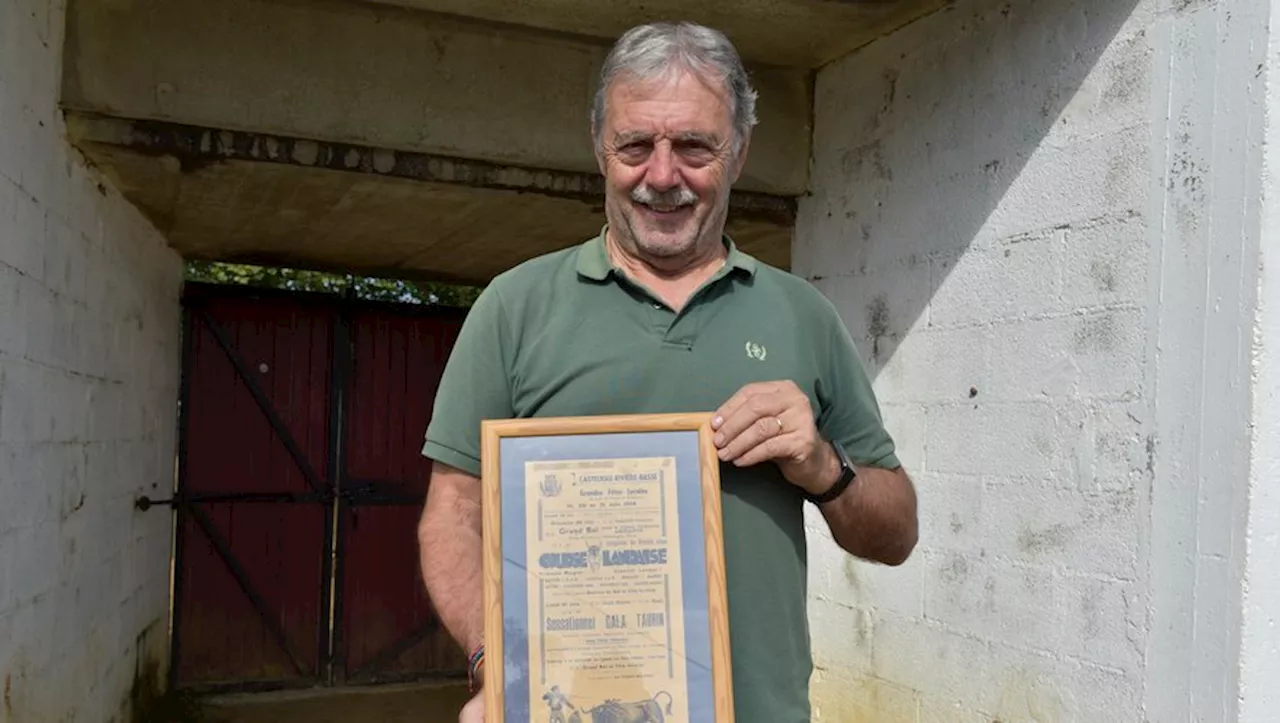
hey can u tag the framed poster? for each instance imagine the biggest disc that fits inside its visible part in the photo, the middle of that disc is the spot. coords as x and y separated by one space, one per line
604 577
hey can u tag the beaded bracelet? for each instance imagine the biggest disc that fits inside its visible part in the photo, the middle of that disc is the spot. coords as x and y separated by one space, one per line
474 663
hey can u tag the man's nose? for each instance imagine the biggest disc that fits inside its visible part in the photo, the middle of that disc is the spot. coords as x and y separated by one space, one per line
663 172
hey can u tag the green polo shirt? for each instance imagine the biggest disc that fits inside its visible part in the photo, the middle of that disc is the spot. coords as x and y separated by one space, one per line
566 334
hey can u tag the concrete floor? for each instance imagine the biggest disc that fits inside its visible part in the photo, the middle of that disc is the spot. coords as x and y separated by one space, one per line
431 703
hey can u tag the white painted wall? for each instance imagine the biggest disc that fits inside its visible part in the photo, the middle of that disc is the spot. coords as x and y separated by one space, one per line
1040 220
89 352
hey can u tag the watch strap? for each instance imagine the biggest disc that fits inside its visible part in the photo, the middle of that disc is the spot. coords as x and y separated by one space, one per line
847 475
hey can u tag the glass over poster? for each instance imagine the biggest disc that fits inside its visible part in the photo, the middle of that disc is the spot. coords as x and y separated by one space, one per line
604 586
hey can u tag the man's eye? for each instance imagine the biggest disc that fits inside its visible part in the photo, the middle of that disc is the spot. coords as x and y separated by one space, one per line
697 152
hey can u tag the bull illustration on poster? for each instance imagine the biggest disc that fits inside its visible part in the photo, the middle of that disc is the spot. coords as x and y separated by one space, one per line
610 711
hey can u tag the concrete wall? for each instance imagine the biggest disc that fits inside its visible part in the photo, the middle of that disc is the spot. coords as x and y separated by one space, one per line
1041 222
89 350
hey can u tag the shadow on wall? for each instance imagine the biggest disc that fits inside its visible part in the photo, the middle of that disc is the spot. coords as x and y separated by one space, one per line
980 178
991 127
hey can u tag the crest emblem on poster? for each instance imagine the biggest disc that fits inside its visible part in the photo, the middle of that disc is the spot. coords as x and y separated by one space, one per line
550 486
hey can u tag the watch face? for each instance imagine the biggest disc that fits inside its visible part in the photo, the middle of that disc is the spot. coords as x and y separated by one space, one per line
844 458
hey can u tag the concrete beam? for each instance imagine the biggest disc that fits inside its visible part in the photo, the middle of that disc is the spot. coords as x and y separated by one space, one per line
228 195
194 147
378 76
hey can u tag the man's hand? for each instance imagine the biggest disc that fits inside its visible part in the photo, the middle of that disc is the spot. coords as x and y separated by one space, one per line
773 421
473 711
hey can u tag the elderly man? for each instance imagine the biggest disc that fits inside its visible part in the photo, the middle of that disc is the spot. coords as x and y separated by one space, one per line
661 312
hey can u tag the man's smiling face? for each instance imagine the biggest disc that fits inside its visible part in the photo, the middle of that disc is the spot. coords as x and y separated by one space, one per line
667 154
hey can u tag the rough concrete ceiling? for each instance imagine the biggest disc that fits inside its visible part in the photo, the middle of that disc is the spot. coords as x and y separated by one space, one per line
376 75
800 33
370 144
272 200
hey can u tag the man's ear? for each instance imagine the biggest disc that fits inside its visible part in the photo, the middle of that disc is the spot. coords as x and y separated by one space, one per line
740 160
596 149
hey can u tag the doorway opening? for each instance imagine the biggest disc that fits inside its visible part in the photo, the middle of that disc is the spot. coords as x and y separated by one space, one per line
303 404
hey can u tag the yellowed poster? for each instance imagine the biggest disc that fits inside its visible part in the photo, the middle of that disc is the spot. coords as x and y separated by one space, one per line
605 596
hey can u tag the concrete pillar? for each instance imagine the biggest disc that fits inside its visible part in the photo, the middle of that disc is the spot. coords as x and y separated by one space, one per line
1260 623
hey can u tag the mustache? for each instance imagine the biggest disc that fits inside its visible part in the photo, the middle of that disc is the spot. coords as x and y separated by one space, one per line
675 197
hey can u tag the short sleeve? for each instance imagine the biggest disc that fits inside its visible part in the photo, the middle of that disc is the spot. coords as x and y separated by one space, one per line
475 386
849 411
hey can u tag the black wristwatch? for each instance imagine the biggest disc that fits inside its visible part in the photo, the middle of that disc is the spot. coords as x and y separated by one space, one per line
847 475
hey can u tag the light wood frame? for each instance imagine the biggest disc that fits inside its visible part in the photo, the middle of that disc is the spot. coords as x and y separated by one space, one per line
493 432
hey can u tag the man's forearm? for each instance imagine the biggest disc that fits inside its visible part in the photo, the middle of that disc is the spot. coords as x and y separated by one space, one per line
875 518
449 539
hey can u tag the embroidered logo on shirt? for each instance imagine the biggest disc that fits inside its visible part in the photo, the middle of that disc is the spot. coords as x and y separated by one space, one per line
756 351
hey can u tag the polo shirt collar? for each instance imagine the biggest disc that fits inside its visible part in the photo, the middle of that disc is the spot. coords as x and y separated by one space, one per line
593 258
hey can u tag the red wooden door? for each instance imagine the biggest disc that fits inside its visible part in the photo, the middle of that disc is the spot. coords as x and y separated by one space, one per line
298 410
388 629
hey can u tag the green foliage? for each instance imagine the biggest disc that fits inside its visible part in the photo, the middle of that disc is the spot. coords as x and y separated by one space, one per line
361 287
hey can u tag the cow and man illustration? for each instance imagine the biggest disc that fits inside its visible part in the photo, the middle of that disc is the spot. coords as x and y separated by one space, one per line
610 711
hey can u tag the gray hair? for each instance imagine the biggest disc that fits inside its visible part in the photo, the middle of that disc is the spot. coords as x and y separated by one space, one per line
647 51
